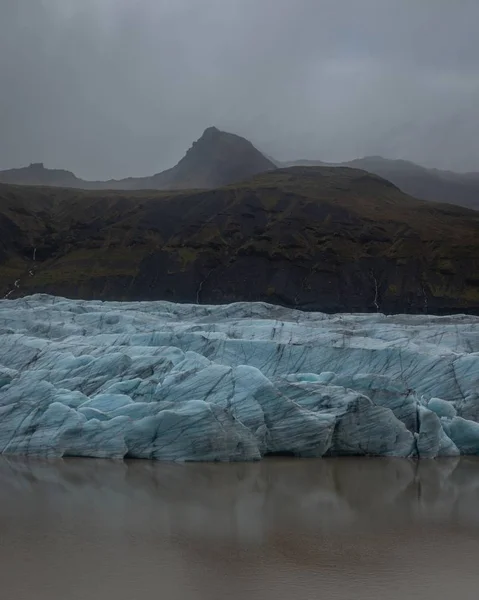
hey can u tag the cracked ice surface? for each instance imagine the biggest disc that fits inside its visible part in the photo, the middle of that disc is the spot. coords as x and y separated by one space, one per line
185 382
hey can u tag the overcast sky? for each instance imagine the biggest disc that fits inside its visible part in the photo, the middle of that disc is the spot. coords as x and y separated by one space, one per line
111 88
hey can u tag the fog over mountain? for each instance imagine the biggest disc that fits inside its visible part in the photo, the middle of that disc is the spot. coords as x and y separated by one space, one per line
115 88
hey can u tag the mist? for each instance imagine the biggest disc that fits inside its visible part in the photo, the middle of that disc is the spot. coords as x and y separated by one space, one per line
116 88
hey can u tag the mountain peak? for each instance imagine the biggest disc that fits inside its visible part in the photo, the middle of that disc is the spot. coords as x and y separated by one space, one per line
211 131
209 136
217 158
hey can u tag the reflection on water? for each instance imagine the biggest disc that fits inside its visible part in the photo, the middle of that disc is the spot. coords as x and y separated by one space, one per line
338 528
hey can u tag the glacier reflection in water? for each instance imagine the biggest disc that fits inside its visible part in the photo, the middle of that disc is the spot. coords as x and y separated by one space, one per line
343 528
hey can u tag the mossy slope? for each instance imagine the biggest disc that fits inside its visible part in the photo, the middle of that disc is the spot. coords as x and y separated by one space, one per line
321 238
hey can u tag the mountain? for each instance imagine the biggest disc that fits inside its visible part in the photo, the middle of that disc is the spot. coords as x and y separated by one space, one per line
216 159
427 184
37 174
318 238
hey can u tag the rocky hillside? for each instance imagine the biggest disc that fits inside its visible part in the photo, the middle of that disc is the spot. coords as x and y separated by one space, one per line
427 184
331 239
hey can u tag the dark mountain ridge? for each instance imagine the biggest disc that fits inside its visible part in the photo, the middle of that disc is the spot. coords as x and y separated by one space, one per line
216 158
427 184
37 174
317 238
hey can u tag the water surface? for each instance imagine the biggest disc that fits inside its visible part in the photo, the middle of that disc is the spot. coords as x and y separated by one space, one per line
385 529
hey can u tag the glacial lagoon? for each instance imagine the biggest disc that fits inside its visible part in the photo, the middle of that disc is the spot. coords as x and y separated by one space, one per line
282 529
235 384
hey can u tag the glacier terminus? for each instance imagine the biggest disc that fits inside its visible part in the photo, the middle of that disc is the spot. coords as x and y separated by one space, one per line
234 382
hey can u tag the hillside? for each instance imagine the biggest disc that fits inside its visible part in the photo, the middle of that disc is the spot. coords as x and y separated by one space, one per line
331 239
427 184
215 159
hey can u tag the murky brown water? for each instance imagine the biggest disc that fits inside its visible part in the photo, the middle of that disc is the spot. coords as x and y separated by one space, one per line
379 529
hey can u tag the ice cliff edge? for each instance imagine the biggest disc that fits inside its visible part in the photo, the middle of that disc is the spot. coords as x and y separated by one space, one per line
236 382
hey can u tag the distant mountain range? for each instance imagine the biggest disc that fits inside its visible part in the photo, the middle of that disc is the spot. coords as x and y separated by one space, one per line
427 184
37 174
218 158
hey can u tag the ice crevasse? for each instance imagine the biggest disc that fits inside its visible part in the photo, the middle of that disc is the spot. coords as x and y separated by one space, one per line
171 381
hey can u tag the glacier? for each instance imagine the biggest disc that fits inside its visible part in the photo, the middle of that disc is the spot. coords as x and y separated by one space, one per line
237 382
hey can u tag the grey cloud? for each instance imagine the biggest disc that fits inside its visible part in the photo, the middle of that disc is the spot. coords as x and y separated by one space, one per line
110 88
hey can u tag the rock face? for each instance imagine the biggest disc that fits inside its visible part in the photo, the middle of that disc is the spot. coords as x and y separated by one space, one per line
235 382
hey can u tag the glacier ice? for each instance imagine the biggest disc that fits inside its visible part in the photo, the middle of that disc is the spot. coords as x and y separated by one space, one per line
236 382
